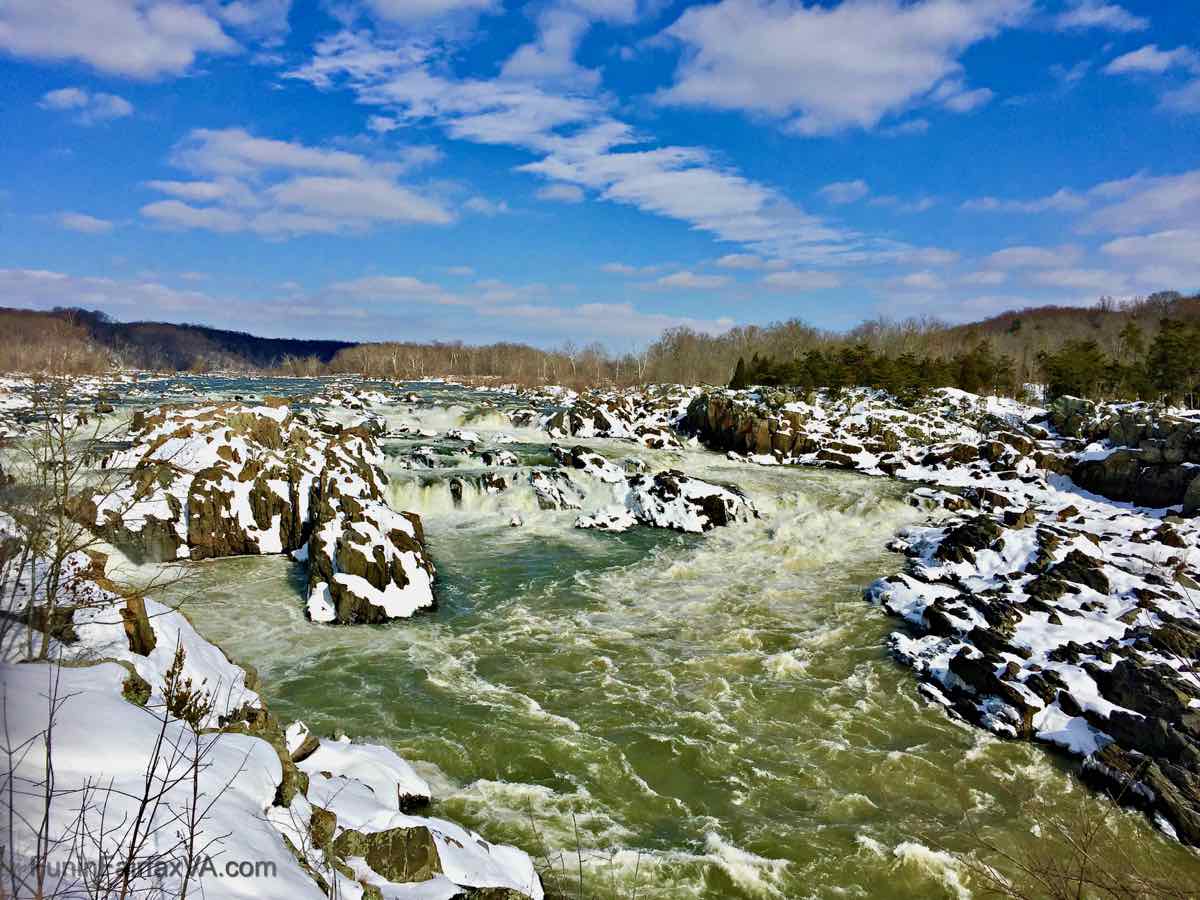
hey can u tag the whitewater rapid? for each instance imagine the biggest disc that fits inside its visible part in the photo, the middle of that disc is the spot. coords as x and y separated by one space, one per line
691 716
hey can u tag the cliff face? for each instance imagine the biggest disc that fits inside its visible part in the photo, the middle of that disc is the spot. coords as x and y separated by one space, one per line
1150 457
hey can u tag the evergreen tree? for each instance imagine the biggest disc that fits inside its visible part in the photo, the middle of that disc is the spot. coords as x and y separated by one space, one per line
738 382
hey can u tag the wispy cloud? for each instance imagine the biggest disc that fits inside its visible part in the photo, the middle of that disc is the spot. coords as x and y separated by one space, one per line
282 188
86 107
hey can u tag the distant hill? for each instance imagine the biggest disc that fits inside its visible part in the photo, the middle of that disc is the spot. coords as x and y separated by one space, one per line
88 335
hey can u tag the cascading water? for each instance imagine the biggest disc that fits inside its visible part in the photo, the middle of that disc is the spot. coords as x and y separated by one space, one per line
682 716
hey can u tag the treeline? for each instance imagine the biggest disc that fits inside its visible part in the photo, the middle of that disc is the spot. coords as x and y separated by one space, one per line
1023 336
79 341
979 370
1141 348
1168 368
55 345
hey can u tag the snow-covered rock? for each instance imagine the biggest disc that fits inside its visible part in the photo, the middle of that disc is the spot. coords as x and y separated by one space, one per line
610 518
230 479
673 500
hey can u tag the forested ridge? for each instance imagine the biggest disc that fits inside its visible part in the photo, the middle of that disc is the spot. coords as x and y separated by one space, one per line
1148 347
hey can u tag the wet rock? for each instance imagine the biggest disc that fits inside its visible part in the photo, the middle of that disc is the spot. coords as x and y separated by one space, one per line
590 463
301 743
499 458
554 489
366 562
401 855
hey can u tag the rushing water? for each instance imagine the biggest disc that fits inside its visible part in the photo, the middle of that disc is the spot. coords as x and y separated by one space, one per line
683 716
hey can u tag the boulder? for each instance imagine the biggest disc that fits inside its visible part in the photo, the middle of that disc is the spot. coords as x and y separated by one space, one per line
961 542
671 499
366 562
555 490
1127 475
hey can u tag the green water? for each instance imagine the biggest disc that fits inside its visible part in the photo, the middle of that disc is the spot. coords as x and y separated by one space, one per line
709 716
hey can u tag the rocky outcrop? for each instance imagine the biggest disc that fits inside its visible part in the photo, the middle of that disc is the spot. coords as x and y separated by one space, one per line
1137 453
1066 622
230 480
366 562
673 500
331 817
647 416
1134 476
589 463
555 490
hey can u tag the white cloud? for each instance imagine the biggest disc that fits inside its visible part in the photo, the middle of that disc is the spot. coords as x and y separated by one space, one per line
1183 100
562 193
1176 246
919 281
906 128
499 302
382 124
83 223
841 192
263 19
39 288
552 56
827 69
686 280
460 271
616 268
1147 202
136 38
1027 257
411 11
1100 281
177 214
280 188
1163 259
88 108
1151 60
358 200
1070 75
801 281
576 141
1099 14
620 268
749 261
963 101
985 277
1062 200
485 207
378 307
921 204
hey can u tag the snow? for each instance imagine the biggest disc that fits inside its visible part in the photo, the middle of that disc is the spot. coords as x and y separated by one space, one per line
103 741
610 518
385 774
1072 733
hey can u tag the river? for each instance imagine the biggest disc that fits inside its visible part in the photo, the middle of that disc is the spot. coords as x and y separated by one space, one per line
679 716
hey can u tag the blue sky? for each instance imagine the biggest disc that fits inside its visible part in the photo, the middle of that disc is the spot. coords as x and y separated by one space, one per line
593 169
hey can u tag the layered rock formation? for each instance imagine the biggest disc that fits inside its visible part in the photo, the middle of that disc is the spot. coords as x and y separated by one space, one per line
1136 453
